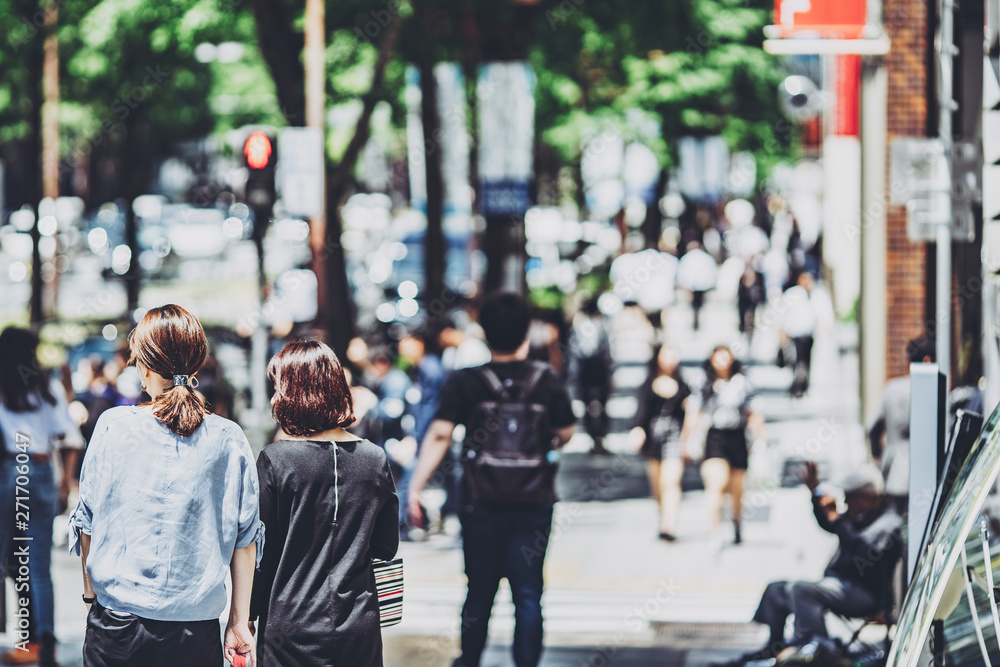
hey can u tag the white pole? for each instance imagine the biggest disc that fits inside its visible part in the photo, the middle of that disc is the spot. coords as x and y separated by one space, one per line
946 51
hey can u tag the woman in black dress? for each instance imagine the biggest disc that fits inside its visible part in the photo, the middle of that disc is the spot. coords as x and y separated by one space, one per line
329 506
661 415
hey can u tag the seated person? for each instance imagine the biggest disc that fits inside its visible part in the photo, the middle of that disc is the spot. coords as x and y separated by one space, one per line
856 581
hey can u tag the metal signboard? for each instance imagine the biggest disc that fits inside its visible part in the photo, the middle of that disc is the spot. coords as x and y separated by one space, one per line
920 179
300 170
506 92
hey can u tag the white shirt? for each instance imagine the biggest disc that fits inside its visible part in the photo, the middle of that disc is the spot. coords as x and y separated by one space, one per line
646 277
697 271
804 311
472 352
40 427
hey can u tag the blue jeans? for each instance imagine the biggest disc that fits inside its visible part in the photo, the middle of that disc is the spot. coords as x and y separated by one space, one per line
509 543
40 495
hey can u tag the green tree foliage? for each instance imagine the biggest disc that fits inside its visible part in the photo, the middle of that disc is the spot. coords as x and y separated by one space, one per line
694 66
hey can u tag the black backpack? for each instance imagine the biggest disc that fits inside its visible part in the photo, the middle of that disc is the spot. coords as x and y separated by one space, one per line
505 455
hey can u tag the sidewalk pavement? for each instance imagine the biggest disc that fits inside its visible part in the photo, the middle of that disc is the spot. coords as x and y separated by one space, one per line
616 595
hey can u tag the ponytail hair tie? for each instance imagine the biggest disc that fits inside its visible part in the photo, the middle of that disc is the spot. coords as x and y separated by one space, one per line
185 381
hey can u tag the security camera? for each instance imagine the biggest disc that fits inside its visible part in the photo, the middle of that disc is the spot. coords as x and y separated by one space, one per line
800 98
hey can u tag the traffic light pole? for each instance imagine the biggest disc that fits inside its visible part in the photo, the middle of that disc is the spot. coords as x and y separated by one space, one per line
259 151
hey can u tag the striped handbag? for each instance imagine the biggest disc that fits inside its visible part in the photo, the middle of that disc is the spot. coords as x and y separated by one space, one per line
389 584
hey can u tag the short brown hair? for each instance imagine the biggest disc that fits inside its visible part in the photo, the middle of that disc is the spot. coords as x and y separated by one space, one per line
170 341
311 394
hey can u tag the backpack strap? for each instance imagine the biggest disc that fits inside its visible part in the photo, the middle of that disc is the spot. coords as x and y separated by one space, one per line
533 380
492 381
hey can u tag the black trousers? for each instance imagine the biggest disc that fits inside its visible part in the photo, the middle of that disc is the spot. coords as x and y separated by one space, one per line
117 639
803 364
697 301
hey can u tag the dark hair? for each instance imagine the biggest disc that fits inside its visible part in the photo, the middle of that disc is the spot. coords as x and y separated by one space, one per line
505 318
734 368
921 348
21 376
311 394
170 341
654 365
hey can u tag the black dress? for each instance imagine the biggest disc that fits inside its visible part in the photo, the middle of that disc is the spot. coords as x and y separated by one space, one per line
662 418
328 509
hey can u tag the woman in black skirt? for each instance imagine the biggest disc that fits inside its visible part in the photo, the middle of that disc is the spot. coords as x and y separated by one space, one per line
726 401
661 415
329 505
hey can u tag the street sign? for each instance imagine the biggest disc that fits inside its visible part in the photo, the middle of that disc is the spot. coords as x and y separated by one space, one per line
917 167
920 178
843 19
300 170
506 92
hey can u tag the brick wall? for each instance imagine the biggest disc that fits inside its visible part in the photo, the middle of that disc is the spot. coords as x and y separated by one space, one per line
906 63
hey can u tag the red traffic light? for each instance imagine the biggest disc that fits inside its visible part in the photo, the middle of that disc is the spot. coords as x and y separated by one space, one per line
257 150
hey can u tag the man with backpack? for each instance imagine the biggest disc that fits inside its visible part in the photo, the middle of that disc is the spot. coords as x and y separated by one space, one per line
516 414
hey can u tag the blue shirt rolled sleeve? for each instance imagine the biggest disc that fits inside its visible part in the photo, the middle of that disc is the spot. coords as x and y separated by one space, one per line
251 528
81 519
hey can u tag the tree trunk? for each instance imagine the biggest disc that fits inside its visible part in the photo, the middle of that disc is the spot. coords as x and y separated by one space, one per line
340 306
281 46
434 235
33 145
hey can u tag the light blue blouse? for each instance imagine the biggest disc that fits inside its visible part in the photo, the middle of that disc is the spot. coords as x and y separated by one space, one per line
165 514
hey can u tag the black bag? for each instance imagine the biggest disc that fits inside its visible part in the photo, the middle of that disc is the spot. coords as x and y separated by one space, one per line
505 457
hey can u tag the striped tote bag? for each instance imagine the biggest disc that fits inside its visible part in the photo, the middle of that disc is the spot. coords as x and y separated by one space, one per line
389 584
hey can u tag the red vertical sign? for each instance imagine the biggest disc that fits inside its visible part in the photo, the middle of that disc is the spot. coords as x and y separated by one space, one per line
848 95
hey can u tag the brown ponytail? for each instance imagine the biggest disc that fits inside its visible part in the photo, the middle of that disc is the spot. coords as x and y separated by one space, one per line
170 341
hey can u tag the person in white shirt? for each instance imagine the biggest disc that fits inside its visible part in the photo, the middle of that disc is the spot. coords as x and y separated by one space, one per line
34 421
697 272
646 277
803 310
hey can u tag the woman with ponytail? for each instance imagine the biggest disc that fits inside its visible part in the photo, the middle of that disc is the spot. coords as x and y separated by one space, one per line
168 500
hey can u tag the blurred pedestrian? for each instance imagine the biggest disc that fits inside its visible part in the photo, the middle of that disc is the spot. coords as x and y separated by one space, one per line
889 431
697 273
727 401
633 338
543 338
589 370
508 485
99 396
803 311
328 502
460 349
34 423
216 391
390 385
750 295
155 596
647 277
426 376
854 584
662 401
365 424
